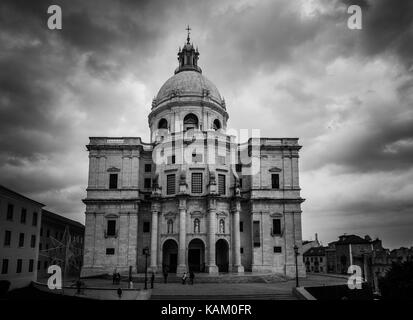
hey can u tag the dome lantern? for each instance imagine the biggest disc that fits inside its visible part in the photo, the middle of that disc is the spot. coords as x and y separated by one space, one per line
188 57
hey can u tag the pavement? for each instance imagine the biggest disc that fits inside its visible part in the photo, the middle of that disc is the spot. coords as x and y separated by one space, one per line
270 290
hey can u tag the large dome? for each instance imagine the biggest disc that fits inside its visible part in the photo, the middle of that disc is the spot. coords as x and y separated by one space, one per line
188 82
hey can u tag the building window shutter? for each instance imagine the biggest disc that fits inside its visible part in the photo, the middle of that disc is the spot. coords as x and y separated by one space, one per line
170 184
221 184
196 182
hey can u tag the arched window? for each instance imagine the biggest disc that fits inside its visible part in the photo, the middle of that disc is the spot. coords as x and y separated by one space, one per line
170 226
222 226
163 124
190 122
216 125
197 224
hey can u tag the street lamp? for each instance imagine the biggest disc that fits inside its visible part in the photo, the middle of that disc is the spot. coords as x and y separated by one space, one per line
146 253
296 265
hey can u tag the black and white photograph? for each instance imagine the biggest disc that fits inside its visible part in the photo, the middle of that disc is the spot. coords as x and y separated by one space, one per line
206 152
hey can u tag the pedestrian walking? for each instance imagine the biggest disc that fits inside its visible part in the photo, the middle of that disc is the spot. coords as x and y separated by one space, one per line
184 278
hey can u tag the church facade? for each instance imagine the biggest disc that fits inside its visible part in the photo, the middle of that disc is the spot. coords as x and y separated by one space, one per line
194 198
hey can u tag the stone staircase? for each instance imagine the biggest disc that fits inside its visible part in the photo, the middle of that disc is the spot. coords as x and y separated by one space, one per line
207 278
260 296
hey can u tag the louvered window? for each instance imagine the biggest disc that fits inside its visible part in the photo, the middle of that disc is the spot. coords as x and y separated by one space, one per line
196 182
170 184
221 184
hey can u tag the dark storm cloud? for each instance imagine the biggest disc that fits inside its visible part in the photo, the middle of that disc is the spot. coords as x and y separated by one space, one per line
387 28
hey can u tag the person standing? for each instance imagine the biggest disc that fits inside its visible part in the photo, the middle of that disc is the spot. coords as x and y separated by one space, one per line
165 275
152 279
191 277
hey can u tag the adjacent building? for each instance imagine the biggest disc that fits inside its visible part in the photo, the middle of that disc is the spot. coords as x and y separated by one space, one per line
20 220
61 243
193 197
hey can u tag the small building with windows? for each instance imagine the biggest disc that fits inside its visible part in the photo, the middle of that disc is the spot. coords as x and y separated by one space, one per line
195 197
315 260
20 219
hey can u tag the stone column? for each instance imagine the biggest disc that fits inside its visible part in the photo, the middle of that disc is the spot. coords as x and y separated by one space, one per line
237 267
182 237
212 220
154 236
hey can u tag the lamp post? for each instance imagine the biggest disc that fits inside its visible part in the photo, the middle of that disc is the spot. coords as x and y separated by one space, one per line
146 253
296 265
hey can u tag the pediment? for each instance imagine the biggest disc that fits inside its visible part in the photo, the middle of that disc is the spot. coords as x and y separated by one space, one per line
275 169
113 169
170 215
197 214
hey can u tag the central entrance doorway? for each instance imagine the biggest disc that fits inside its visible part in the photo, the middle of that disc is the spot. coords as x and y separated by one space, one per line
196 255
170 255
221 255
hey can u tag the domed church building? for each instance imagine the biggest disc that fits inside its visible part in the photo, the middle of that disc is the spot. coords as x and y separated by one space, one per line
194 197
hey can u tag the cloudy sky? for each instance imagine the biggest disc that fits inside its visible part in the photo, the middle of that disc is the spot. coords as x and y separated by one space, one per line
289 68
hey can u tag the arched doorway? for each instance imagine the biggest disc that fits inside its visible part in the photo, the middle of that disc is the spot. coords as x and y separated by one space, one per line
196 255
170 255
221 255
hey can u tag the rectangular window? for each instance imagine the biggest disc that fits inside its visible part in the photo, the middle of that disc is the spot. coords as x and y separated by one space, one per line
38 265
241 250
256 234
275 181
148 167
147 183
31 265
170 184
23 216
21 240
34 221
146 226
110 251
113 181
221 184
276 226
7 238
33 241
277 249
240 183
10 209
238 167
241 226
5 266
111 228
19 265
196 182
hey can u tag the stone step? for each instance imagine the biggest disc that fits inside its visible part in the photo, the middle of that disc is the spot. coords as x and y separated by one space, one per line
276 296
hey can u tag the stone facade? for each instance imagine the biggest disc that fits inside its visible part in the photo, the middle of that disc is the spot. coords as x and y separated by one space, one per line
194 197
